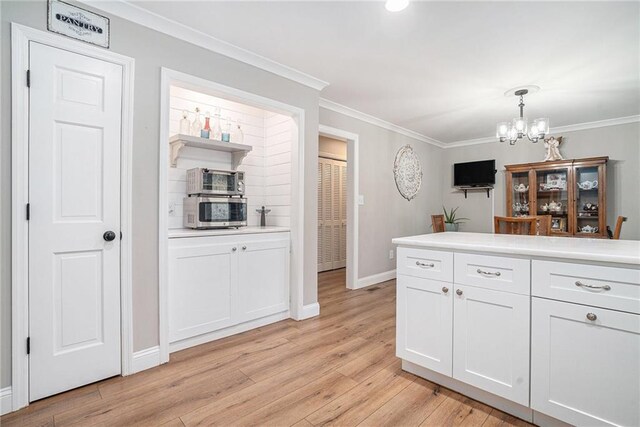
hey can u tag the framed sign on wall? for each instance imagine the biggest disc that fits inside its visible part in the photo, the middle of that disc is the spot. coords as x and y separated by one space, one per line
77 23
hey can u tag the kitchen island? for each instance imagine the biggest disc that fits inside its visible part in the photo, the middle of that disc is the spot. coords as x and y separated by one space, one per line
544 328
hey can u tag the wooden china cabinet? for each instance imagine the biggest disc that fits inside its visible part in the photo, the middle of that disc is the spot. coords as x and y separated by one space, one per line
573 192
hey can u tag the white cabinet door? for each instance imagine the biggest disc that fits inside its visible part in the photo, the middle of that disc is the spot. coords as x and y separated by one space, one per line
424 316
202 294
491 341
585 372
263 278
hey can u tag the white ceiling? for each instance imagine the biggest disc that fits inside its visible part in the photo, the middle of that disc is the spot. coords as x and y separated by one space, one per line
441 68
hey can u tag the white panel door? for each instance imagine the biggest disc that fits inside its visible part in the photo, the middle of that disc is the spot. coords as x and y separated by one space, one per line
491 341
202 295
585 372
74 194
263 278
425 316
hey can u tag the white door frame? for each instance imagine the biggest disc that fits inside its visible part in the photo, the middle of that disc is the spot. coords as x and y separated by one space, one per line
20 38
171 77
352 198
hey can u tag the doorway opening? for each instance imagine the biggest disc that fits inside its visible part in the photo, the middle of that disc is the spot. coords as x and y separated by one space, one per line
338 203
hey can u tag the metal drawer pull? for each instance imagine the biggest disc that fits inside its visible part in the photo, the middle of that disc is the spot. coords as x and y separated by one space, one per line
445 289
421 264
459 292
488 273
585 285
591 316
234 249
244 248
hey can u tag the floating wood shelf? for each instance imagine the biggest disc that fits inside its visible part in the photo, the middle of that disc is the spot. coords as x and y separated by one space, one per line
178 142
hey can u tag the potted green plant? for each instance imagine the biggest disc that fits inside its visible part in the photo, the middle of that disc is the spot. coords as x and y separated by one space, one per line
451 221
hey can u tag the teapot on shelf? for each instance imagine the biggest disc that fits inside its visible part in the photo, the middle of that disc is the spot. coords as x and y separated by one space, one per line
521 188
588 185
589 229
552 207
521 208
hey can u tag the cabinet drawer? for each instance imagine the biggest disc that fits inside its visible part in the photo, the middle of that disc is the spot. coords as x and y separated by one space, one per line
609 287
585 372
499 273
425 263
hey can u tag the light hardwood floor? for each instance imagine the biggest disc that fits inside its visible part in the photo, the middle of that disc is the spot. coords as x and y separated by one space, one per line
336 369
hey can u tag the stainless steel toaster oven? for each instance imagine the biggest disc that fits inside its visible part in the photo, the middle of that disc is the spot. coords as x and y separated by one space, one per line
215 182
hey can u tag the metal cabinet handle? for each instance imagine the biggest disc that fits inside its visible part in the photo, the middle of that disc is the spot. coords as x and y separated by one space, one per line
586 285
591 316
488 273
445 289
459 292
234 249
422 264
244 248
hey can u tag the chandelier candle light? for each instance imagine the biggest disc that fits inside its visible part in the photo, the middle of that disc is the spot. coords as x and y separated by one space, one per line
518 127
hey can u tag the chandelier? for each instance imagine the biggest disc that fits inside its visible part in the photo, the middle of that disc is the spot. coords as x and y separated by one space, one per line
518 127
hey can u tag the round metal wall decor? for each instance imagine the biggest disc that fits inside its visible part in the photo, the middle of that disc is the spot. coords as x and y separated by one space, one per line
407 172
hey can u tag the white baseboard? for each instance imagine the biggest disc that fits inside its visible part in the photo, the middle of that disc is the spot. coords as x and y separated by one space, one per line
6 403
363 282
232 330
146 359
309 310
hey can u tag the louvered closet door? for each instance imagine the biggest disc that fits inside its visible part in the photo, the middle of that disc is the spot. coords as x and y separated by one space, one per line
332 214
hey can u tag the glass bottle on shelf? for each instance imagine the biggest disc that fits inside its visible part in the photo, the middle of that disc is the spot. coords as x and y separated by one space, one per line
206 130
185 124
237 135
196 125
216 130
226 130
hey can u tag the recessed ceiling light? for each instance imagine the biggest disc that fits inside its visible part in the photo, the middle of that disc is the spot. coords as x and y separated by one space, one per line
396 5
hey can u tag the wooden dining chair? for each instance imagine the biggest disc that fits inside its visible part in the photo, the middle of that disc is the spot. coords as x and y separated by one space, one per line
509 225
437 222
543 225
618 229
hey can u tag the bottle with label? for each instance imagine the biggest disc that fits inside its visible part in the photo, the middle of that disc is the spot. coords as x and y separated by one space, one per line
185 124
226 131
216 130
206 130
196 125
237 135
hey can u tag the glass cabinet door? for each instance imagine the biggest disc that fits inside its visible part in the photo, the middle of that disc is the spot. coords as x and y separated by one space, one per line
520 202
553 198
588 202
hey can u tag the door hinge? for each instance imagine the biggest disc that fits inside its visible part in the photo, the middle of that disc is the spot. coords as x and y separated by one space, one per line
28 345
28 78
28 211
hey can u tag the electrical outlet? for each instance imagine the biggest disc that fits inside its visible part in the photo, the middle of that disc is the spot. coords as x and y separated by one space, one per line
172 209
391 254
360 199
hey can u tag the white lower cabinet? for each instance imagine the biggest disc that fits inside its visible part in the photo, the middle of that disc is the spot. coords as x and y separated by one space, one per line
585 364
491 341
425 315
263 278
222 281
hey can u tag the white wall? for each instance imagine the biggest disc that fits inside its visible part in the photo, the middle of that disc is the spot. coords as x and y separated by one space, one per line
385 213
279 134
621 143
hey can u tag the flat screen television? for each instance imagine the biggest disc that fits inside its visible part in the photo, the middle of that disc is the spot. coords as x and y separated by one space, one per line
474 174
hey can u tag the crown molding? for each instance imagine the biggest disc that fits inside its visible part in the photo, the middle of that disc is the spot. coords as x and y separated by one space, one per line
138 15
569 128
347 111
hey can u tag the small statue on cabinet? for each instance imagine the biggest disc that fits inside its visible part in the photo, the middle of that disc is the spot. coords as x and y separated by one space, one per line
553 151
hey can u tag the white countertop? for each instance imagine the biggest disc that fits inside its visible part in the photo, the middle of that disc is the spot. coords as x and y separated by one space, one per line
188 232
576 248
